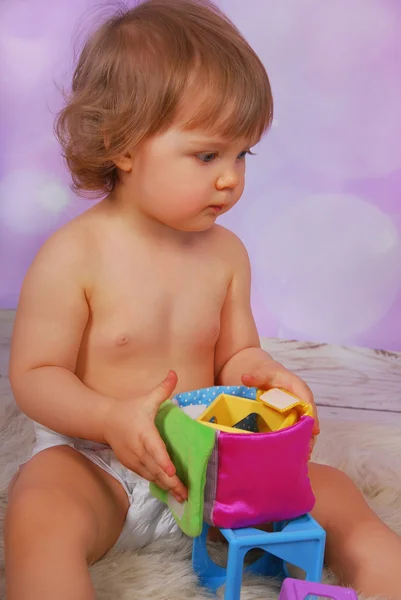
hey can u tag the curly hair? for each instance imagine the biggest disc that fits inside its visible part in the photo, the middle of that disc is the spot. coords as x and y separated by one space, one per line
134 74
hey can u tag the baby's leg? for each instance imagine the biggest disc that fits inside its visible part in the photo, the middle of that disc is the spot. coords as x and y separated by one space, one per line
64 513
361 550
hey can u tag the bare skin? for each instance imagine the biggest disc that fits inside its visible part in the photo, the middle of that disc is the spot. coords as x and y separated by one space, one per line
113 302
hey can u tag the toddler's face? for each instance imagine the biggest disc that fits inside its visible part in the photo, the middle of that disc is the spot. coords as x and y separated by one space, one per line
186 179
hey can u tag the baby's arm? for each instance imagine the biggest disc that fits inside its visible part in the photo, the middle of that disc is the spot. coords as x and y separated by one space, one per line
51 318
239 357
238 348
50 321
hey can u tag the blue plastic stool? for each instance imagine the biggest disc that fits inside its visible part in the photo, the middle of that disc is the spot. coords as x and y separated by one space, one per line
299 542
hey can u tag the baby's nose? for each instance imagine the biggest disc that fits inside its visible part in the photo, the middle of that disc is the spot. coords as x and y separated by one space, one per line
228 180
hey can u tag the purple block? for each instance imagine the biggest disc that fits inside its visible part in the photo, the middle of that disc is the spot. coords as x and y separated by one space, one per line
295 589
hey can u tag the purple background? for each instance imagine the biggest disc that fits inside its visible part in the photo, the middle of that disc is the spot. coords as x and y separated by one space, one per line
321 215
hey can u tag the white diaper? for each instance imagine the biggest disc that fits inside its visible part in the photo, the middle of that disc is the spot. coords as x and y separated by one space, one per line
147 519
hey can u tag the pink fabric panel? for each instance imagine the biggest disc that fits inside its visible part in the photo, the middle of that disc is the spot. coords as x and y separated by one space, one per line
263 477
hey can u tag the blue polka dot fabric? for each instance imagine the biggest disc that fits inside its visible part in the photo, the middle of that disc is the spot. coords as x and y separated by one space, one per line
207 395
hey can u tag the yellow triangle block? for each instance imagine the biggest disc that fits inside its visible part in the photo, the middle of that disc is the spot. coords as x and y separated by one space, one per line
275 410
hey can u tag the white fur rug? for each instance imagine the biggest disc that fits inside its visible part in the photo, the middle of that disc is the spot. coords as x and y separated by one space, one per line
369 454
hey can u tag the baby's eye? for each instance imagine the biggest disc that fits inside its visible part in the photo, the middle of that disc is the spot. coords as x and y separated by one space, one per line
242 154
207 157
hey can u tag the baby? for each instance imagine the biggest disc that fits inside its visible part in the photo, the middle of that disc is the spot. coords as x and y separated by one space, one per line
167 101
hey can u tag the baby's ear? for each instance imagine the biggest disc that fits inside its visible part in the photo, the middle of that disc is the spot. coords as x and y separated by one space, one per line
124 162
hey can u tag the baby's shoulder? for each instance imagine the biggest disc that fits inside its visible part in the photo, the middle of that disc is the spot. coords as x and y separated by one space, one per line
228 244
71 239
67 251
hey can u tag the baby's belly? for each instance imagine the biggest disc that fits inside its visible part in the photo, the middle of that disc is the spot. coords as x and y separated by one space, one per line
130 378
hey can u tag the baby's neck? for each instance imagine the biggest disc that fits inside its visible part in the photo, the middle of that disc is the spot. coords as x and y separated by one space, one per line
142 225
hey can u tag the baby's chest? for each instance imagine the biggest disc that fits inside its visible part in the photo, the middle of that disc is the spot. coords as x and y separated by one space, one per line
145 312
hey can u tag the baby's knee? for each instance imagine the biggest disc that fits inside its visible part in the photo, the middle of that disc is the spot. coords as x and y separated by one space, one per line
338 499
329 480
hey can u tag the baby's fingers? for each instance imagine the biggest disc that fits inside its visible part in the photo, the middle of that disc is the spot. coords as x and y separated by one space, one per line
171 484
159 462
316 427
158 479
156 449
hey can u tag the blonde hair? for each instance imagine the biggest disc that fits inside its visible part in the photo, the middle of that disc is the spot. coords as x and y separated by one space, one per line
134 74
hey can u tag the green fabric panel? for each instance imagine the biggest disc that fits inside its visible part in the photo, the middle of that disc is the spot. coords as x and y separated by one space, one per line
189 445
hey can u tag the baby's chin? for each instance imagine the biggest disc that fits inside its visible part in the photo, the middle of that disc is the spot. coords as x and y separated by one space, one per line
196 226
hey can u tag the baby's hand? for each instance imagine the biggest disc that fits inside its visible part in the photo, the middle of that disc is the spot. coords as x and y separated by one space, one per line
272 374
131 432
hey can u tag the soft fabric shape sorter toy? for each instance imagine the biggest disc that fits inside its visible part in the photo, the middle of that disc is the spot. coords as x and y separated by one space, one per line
242 452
